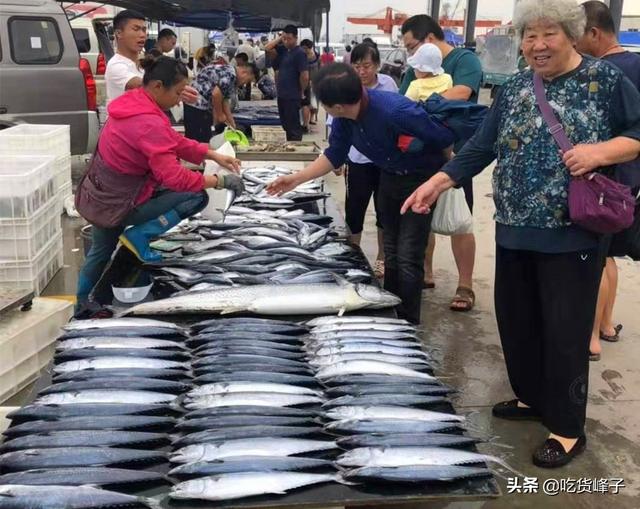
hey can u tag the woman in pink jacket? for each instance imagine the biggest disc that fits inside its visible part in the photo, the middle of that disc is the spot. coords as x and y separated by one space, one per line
136 173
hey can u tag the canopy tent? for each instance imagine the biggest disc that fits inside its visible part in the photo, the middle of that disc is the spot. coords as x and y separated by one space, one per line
247 15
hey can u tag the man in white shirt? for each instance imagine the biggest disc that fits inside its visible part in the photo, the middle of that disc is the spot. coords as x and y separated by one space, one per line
248 49
123 72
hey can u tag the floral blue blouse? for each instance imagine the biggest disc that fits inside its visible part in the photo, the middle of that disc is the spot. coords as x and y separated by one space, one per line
210 77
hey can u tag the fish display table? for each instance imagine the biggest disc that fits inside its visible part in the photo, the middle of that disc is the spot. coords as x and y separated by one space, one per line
327 495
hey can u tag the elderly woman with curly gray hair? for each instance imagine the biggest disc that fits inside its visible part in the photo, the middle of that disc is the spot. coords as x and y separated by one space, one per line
547 268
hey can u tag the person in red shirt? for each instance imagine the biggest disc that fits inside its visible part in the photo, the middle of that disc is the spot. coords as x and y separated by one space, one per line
138 140
327 57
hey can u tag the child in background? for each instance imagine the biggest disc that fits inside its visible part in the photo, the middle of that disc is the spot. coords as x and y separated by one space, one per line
431 78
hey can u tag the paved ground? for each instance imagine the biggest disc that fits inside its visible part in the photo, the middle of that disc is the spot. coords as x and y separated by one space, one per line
470 357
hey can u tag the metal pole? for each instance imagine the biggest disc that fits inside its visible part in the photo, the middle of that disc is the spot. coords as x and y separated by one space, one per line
470 22
615 6
435 9
327 44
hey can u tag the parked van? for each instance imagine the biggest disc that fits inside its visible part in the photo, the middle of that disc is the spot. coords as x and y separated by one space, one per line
43 80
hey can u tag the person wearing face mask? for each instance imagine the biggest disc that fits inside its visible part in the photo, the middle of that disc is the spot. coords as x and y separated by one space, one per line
135 188
547 267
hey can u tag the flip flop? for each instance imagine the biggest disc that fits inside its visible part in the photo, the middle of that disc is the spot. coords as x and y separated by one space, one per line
615 337
594 357
428 286
464 296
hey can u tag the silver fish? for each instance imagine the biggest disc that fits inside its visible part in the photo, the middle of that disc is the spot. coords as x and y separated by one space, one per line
362 327
249 464
116 342
315 344
252 399
14 496
348 319
329 360
117 363
390 426
245 484
370 367
107 323
369 348
385 399
105 396
272 446
390 412
416 473
274 300
405 440
233 387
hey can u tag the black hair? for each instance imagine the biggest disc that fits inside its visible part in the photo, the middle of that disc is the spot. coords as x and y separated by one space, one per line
307 43
370 41
121 19
291 30
167 70
242 56
364 50
599 16
337 84
421 26
166 32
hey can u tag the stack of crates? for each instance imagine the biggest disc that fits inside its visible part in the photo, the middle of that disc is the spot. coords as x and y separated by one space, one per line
40 139
31 192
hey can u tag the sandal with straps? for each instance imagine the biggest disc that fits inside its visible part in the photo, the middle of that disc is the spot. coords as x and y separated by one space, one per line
464 296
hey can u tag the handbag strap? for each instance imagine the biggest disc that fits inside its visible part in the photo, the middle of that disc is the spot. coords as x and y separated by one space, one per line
553 124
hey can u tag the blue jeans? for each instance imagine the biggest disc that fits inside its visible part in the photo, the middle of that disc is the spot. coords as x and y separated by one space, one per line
105 240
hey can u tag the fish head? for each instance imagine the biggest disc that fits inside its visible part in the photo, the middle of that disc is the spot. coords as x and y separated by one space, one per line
376 297
189 489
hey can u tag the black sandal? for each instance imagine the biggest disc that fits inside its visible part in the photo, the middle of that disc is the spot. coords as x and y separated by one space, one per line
551 454
511 411
614 338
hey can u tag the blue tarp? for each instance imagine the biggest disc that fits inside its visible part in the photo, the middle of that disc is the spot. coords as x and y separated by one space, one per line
629 38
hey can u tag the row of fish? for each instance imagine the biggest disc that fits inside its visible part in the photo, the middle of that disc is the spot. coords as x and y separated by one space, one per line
101 428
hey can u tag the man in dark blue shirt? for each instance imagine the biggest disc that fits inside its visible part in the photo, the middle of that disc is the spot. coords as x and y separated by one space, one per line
290 63
371 121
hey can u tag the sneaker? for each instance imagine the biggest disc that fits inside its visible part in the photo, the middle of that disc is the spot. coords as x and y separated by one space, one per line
378 269
551 454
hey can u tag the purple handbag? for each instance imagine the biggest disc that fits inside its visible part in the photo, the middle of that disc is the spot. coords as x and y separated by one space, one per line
596 203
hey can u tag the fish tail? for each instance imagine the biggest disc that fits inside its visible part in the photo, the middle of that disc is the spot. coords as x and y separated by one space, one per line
150 503
504 465
340 477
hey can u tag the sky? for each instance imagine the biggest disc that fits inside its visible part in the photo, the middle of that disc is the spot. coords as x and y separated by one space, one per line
492 9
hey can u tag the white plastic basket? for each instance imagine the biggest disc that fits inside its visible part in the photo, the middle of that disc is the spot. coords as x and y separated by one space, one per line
37 273
36 139
22 239
26 185
62 171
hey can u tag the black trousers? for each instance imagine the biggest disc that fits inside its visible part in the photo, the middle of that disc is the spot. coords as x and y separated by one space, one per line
289 112
545 306
405 240
362 182
197 124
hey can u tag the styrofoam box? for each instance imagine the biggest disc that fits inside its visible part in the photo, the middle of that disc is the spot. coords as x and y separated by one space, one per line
22 239
271 134
36 139
27 342
61 171
37 273
26 185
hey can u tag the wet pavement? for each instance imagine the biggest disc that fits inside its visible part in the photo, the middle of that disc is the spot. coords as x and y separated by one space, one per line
470 359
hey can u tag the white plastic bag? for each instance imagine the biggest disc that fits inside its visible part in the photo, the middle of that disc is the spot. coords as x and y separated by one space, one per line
452 215
217 197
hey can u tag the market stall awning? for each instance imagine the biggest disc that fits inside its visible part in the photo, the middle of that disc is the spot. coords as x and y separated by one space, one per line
247 15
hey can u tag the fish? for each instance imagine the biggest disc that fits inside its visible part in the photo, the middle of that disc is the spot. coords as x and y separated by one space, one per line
390 412
251 398
368 348
405 439
214 339
375 379
256 376
315 344
91 353
364 367
351 426
392 388
270 446
86 438
286 330
122 383
14 496
385 399
116 422
225 366
273 300
244 432
245 484
415 473
246 321
253 410
94 476
88 374
130 363
67 457
347 319
52 412
227 388
148 332
110 323
239 344
104 342
105 396
330 360
249 463
246 358
362 327
405 456
371 334
224 421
